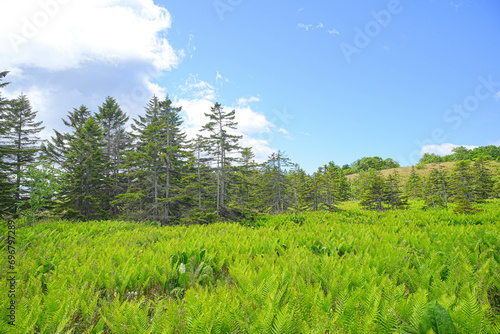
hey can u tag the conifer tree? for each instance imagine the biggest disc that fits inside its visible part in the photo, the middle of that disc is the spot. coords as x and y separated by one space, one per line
413 188
394 196
199 179
299 186
462 181
86 187
343 187
157 165
223 147
373 191
245 180
57 148
436 190
174 158
483 181
117 141
7 189
274 182
23 138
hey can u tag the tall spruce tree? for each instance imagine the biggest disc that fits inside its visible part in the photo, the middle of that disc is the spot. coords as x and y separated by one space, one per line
117 141
274 182
373 192
245 181
23 138
86 187
157 165
224 148
482 179
413 187
7 189
462 186
394 196
175 160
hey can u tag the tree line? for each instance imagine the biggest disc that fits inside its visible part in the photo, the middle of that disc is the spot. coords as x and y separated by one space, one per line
100 170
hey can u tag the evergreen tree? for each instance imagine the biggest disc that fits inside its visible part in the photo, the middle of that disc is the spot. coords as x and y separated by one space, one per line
300 186
157 165
86 187
393 194
274 183
222 146
483 181
174 158
413 188
436 190
245 180
462 186
117 141
373 191
23 138
7 189
343 187
57 148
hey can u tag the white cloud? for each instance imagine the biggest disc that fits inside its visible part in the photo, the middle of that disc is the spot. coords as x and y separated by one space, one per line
443 149
254 127
497 96
319 25
59 34
243 101
251 122
306 27
198 89
300 9
219 79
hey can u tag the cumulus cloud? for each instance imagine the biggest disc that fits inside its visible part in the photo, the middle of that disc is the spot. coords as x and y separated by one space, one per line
60 34
256 129
443 149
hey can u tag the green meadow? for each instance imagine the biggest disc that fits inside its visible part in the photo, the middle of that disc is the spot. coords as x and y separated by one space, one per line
353 271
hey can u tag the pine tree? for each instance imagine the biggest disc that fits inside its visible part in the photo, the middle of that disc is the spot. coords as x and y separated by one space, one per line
299 187
483 181
436 190
57 148
274 183
413 188
7 189
393 194
343 189
462 186
199 184
223 147
373 191
23 138
174 159
117 141
157 165
86 187
245 181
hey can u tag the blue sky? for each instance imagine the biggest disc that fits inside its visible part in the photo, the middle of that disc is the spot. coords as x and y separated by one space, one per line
323 81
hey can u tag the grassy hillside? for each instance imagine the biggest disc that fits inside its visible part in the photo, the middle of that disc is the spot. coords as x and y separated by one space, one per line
354 271
424 170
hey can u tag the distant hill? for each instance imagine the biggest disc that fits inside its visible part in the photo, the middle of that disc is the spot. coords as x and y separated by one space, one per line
422 170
